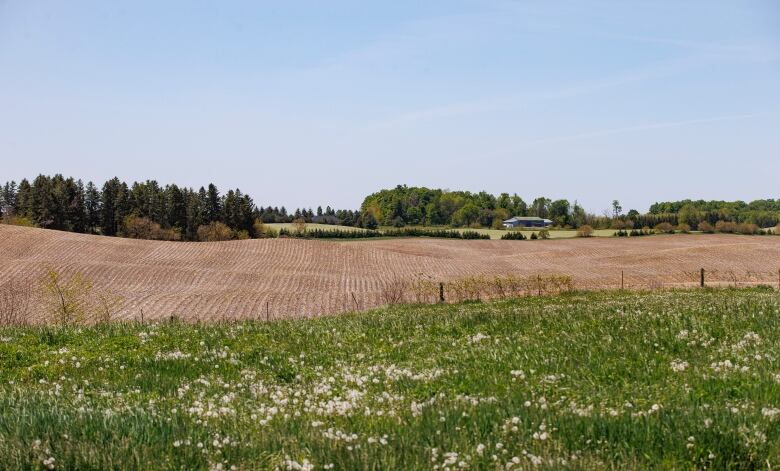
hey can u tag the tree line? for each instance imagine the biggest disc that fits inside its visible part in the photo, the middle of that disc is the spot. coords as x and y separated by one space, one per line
147 209
405 205
762 213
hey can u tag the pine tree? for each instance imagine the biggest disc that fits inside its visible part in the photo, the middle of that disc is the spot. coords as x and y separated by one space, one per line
92 207
176 206
213 204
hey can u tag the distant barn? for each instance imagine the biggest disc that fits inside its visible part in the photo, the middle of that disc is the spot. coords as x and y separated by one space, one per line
527 221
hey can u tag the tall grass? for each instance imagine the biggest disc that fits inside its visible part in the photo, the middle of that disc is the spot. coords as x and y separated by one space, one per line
671 379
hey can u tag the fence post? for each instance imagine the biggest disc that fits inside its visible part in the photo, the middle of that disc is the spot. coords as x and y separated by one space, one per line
539 282
142 315
355 301
267 310
621 280
701 280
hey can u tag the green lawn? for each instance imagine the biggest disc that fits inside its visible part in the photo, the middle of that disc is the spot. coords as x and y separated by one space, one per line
493 233
554 233
327 227
673 380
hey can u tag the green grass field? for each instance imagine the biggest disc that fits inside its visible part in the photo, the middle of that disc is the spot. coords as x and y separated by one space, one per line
327 227
497 233
493 233
676 379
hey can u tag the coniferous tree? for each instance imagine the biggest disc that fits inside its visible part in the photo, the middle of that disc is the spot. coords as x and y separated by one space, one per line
176 208
213 204
92 207
23 199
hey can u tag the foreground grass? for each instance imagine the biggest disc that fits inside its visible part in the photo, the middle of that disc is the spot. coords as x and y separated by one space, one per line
678 379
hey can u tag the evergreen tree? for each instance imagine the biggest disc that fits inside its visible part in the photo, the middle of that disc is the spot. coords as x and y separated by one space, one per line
92 207
213 205
24 199
176 208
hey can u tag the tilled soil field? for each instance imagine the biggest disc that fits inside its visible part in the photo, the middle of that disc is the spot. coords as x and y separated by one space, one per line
284 278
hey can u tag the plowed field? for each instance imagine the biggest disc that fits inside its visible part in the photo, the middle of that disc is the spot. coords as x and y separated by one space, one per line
282 278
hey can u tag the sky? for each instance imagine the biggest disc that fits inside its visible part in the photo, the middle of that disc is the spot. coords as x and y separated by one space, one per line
306 103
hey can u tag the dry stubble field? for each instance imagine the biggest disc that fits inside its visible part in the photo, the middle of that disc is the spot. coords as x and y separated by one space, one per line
300 278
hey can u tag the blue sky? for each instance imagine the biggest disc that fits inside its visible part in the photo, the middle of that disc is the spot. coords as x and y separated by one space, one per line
302 103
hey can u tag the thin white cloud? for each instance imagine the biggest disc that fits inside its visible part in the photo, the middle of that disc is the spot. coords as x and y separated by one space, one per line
514 100
645 127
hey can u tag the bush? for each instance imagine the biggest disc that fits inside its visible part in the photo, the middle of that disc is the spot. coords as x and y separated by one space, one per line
585 231
544 234
664 228
136 227
514 235
214 232
747 228
704 226
534 236
369 221
13 220
299 226
726 227
261 231
684 228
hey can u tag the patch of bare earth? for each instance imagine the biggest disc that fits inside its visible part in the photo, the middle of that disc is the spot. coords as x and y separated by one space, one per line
282 278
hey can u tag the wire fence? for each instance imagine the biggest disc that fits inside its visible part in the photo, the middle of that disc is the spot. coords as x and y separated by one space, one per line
22 303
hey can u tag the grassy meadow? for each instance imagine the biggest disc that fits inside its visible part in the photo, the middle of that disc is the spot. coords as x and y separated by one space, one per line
493 233
669 379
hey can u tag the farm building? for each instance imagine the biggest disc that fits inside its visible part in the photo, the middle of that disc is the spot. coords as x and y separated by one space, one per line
529 221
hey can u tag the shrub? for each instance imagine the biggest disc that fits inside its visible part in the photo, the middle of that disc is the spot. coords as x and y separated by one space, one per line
261 231
684 228
214 232
136 227
664 228
585 231
67 298
726 227
299 226
646 230
514 235
369 221
544 234
14 220
747 228
534 236
618 224
704 226
398 222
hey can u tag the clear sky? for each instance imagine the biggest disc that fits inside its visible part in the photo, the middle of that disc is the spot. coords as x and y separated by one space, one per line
301 103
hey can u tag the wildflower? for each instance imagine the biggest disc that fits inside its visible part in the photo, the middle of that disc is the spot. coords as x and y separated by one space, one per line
679 365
